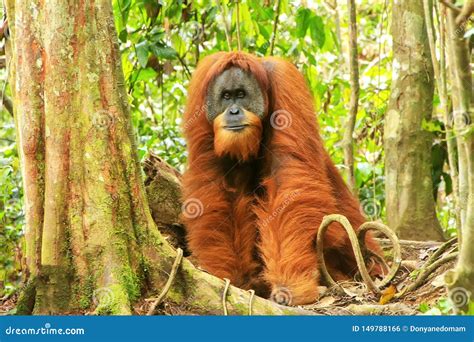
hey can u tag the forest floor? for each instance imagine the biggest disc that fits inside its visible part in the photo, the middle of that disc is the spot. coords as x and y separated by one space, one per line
357 300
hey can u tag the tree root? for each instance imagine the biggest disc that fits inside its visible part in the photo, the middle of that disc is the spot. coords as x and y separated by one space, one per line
431 265
224 295
356 239
410 243
203 293
174 269
377 309
445 246
199 292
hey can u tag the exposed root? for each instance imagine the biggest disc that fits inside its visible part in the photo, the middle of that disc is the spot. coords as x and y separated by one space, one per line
431 265
172 276
409 243
252 294
224 295
426 271
356 239
376 309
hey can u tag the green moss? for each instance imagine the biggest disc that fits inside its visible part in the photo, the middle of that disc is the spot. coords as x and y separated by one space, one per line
104 310
84 293
53 295
113 300
131 283
241 308
26 300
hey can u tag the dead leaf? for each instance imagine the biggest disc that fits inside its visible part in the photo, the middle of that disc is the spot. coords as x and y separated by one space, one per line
387 295
324 302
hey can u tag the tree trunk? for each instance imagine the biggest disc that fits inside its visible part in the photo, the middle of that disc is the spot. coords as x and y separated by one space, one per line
410 204
91 240
461 279
441 83
163 189
348 140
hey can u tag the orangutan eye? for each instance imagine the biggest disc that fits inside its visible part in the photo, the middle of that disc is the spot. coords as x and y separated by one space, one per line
241 94
226 95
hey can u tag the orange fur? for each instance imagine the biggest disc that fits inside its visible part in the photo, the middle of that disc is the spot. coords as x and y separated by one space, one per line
240 145
260 216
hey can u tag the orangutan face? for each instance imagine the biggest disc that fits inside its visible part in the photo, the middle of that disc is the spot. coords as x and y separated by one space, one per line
236 107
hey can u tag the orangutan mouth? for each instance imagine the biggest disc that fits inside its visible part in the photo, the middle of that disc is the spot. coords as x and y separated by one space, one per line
235 127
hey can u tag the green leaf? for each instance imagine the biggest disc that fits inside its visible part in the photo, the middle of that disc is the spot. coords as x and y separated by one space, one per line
142 53
303 17
424 307
146 74
164 52
317 30
263 31
123 35
448 183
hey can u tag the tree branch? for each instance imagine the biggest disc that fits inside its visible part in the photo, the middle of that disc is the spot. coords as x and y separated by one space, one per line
450 6
239 46
466 12
226 25
275 26
348 139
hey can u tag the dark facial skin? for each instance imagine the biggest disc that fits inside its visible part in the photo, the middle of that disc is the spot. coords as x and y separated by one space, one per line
231 92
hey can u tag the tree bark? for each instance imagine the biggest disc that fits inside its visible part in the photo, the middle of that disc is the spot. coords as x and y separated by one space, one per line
163 189
461 279
410 204
440 76
91 240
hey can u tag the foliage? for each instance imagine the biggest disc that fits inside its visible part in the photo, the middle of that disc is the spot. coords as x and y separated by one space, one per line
11 212
443 306
163 41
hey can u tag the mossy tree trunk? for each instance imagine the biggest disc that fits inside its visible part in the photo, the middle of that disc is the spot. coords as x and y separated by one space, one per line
91 241
410 203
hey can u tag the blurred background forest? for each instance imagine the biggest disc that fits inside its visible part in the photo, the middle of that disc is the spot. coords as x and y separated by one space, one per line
161 43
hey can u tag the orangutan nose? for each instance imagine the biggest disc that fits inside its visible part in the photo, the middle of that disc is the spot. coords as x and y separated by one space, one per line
234 110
